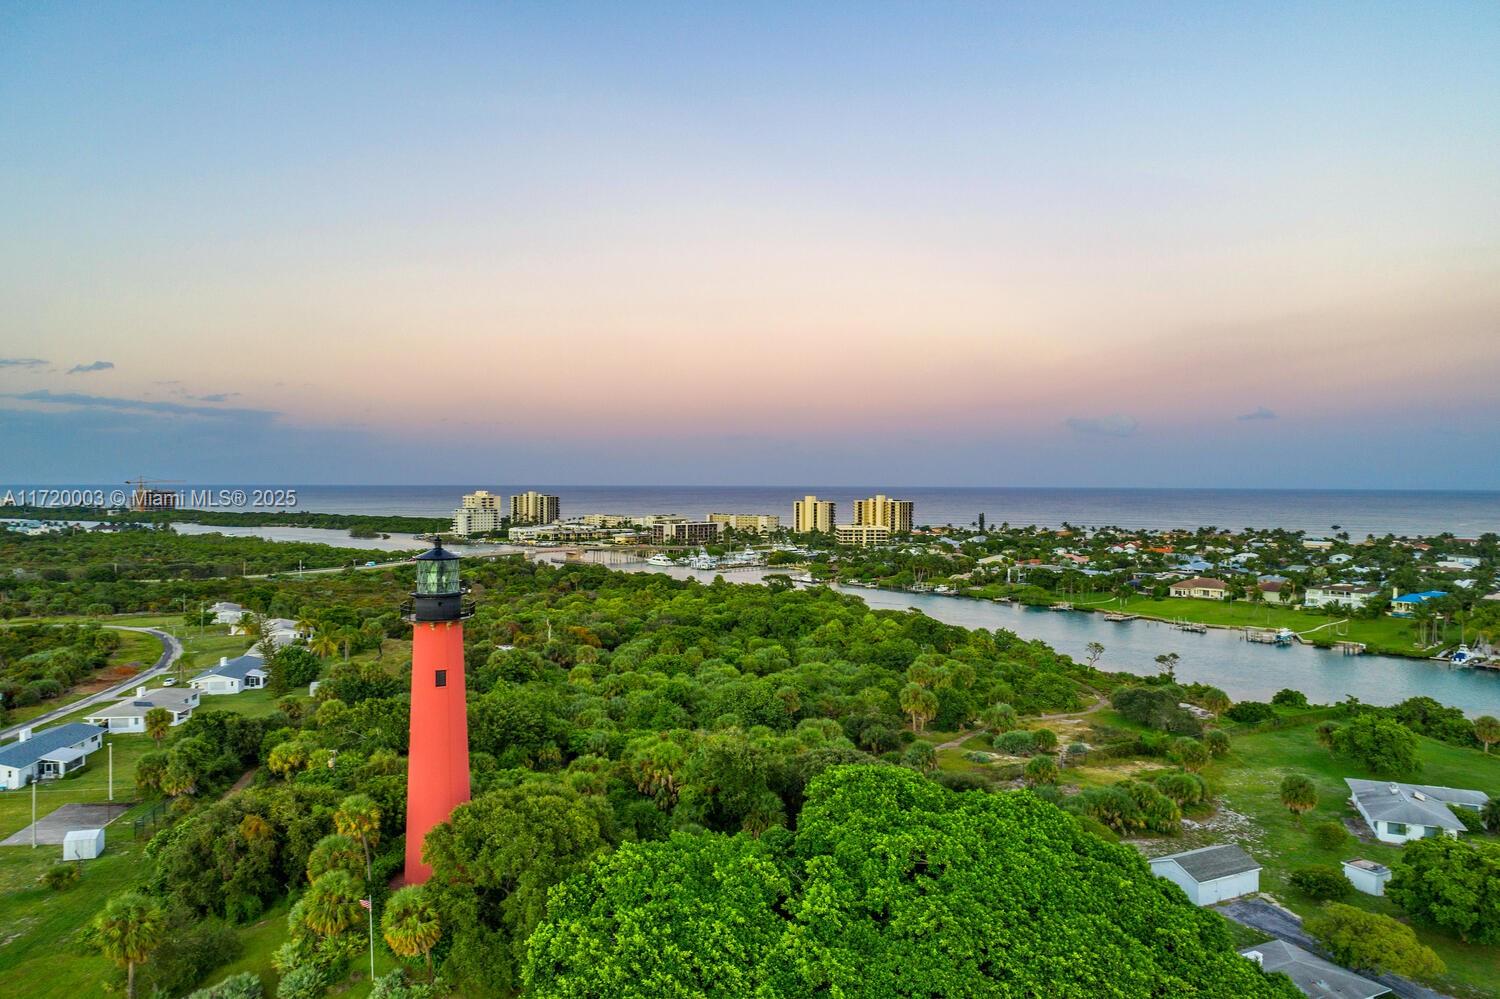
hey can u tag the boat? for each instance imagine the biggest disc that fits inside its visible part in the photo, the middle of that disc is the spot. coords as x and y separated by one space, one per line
1062 606
660 559
1189 626
1462 655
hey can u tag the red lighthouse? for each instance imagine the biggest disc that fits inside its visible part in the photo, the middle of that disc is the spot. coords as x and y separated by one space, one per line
437 771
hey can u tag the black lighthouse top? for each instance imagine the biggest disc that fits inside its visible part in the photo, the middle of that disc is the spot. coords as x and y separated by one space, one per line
439 594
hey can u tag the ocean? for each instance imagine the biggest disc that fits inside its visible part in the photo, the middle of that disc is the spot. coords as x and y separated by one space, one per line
1360 512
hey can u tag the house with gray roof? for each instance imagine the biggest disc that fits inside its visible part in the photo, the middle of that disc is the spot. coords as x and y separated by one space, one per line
55 752
129 715
230 676
1398 813
1210 874
1310 973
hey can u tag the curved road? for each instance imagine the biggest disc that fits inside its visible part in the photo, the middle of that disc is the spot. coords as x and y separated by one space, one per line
171 649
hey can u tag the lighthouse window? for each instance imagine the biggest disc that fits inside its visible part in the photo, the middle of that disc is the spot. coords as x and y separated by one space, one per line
442 678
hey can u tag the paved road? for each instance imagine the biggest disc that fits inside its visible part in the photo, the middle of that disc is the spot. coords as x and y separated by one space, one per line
171 648
1284 925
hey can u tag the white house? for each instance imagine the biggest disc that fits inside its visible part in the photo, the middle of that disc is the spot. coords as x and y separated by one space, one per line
230 676
1367 876
1340 594
44 755
282 631
1311 974
226 612
1400 813
1210 874
129 715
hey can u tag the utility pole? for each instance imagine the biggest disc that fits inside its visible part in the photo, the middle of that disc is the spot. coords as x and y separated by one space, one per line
111 771
34 781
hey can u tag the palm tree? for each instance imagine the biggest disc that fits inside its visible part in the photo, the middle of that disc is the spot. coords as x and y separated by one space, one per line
129 930
1298 794
919 703
331 905
347 636
358 817
158 722
410 925
1487 730
334 852
323 645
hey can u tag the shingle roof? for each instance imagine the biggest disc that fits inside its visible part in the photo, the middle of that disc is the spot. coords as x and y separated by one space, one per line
173 700
1202 583
1210 863
1313 975
236 668
24 754
1388 801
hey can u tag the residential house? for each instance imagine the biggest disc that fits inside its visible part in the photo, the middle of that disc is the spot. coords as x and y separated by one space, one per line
1210 874
1400 813
1274 591
1201 588
1311 974
1406 605
230 676
227 612
54 752
1338 594
129 715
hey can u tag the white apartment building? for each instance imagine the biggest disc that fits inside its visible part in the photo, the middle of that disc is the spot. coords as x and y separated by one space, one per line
758 523
480 512
862 534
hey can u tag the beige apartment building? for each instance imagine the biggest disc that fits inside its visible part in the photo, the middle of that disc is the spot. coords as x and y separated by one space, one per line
759 523
812 514
532 507
862 534
480 512
881 511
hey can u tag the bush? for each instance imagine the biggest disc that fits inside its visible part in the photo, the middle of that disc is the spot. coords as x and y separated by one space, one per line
1182 787
1044 739
1251 712
60 877
1473 820
1321 882
188 954
245 985
1370 941
1288 698
1041 770
1330 835
1156 707
1217 741
1451 884
1017 742
1384 746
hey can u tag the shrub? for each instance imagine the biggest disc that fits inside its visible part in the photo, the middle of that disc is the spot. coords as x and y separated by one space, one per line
1190 753
1330 835
1451 884
1156 707
1182 787
60 877
1384 746
245 985
1321 882
1368 940
1041 770
1251 712
1288 698
1473 820
1017 742
1217 741
1044 739
189 953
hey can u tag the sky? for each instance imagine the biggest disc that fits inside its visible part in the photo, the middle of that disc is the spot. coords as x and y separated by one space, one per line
1116 244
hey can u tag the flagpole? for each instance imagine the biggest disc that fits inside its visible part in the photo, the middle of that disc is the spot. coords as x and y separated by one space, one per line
370 906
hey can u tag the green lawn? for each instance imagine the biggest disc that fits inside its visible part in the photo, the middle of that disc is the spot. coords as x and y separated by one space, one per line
1249 779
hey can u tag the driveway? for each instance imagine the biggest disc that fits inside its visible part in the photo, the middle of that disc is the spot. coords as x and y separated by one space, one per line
171 648
1278 922
50 829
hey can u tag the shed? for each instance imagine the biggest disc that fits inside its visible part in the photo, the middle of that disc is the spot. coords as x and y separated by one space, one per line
1210 874
83 844
1312 975
1367 876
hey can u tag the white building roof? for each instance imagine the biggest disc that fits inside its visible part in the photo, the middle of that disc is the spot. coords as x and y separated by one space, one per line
1413 804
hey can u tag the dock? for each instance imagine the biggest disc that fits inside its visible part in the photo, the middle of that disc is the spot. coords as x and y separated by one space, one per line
1350 648
1269 636
1117 617
1190 626
1064 606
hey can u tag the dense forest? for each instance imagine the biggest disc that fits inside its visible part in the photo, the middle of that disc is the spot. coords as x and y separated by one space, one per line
679 789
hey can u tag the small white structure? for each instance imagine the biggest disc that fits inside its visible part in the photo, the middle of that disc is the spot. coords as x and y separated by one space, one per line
246 672
226 612
83 844
1311 974
1367 876
129 715
1399 813
1210 874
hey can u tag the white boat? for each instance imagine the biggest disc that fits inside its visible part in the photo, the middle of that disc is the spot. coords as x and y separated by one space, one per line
660 559
1461 655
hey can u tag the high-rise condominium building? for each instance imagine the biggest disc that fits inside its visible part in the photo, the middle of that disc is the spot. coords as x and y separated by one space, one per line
881 511
532 507
480 513
812 514
758 523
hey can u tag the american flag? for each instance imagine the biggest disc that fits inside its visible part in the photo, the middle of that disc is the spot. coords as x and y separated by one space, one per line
364 903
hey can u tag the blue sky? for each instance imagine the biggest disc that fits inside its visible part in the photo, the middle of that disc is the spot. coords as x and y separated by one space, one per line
1079 244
